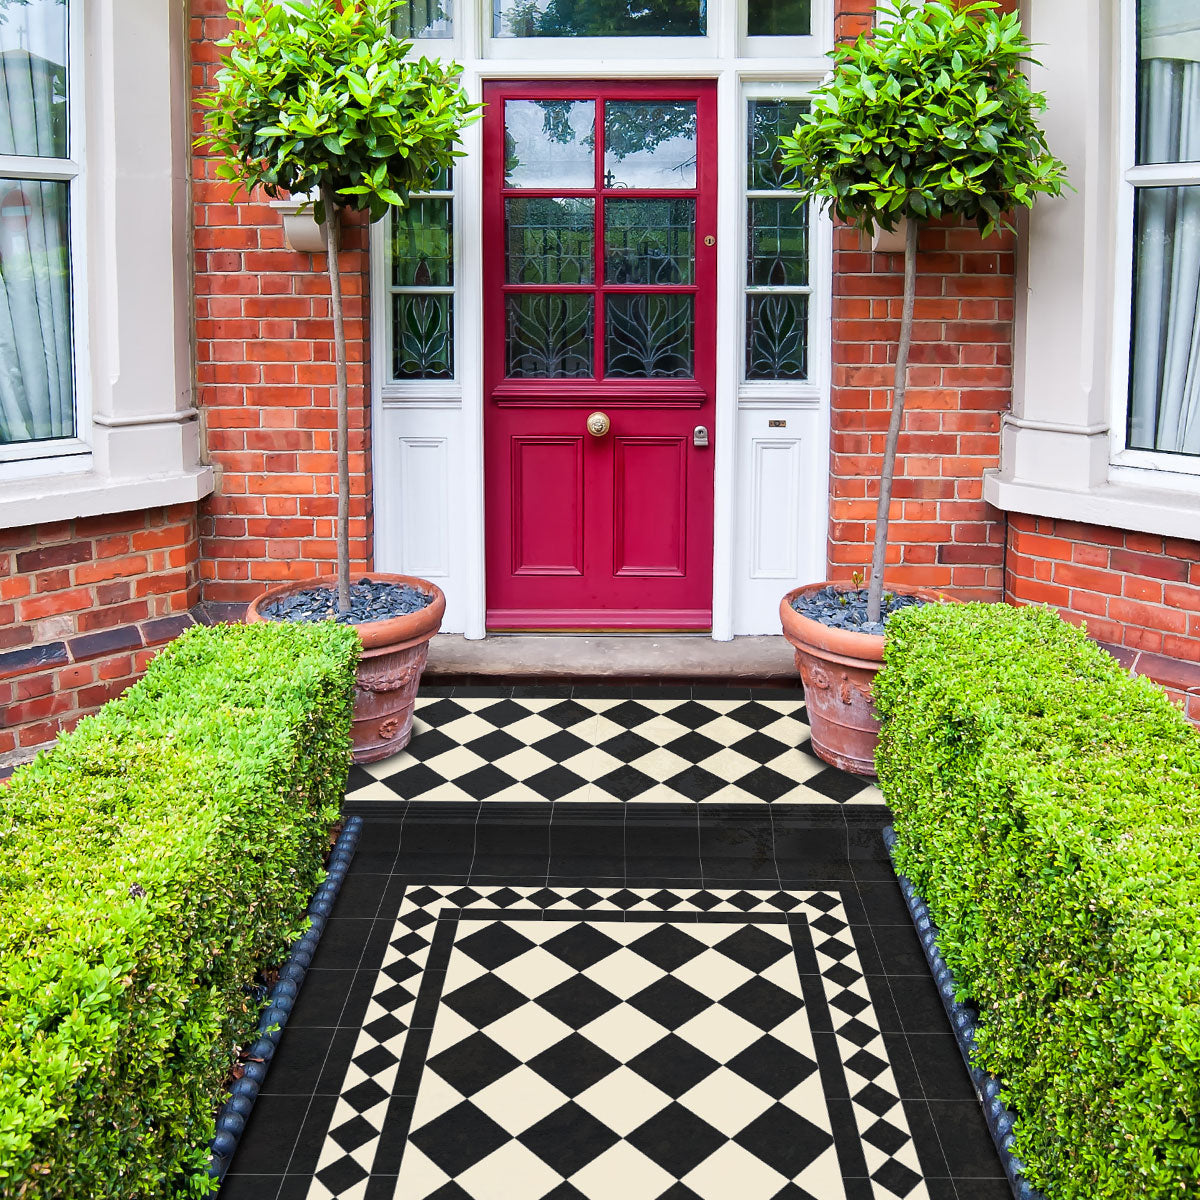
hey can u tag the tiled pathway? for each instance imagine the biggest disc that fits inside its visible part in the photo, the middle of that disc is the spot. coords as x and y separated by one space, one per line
642 745
618 1001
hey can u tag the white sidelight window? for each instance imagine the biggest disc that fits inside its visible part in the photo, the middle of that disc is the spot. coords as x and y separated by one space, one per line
39 194
1164 381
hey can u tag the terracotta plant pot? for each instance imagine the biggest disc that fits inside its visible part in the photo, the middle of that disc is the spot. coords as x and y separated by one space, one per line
389 671
838 668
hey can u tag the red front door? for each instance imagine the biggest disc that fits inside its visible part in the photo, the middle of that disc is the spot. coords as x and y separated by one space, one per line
599 347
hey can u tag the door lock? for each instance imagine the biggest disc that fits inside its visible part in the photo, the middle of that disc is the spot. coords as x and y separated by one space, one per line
700 436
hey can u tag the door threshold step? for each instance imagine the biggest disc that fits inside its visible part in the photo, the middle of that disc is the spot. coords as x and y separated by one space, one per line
612 656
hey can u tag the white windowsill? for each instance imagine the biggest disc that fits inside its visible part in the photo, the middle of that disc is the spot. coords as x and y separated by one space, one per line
65 497
1114 505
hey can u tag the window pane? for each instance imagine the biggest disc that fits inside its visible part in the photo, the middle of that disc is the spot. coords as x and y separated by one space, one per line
550 241
424 19
1168 81
649 241
649 337
36 400
779 18
422 246
769 119
776 336
33 79
1164 407
549 336
777 243
423 336
650 145
598 18
549 143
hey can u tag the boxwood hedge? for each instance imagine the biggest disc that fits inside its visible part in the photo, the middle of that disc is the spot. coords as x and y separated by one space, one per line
149 864
1047 807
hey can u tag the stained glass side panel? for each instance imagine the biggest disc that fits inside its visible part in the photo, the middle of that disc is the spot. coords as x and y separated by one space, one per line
779 18
649 337
776 336
769 119
777 243
650 144
549 241
424 19
422 246
549 336
422 336
599 18
549 143
649 241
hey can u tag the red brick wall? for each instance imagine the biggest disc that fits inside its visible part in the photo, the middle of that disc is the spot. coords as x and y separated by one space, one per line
1137 592
81 603
265 376
942 534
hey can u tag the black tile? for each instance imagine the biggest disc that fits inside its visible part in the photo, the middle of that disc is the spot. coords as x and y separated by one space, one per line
574 1064
940 1066
473 1064
900 952
434 868
676 1139
670 1002
435 689
706 691
578 848
577 1001
965 1139
333 1073
555 782
918 1004
360 894
925 1137
773 1066
413 781
969 1188
322 997
785 1140
883 903
674 1066
601 691
568 1138
312 1135
944 1189
343 942
800 841
666 691
251 1187
904 1070
542 691
481 691
459 1138
298 1062
438 836
271 1132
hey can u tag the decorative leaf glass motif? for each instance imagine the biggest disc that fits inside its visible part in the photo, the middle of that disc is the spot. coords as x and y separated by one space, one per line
422 245
649 336
777 242
422 339
777 335
650 144
549 336
769 119
649 241
549 143
550 241
779 18
598 18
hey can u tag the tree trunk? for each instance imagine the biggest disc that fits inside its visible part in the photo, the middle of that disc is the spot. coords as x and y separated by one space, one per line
899 387
332 246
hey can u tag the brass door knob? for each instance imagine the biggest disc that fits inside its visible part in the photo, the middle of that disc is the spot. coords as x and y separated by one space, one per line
598 424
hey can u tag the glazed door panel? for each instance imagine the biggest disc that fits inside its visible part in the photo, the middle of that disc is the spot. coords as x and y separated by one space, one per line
599 300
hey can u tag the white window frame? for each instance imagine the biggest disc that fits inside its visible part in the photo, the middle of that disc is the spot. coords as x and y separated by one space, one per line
34 459
1175 470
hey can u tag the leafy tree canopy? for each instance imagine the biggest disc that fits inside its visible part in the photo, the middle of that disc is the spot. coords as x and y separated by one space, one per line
318 92
930 115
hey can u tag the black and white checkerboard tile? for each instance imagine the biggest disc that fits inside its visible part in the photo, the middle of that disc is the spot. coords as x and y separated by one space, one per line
619 1044
617 749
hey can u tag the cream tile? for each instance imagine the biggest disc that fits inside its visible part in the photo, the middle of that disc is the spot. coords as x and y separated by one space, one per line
518 1100
622 1173
732 1171
623 1100
726 1101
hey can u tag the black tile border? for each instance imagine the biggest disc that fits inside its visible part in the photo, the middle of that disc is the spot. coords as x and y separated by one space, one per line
244 1092
1000 1119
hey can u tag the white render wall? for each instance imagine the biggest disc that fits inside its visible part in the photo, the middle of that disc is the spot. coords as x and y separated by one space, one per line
771 480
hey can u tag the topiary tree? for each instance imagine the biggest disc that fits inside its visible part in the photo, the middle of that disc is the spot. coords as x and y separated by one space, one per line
318 96
930 116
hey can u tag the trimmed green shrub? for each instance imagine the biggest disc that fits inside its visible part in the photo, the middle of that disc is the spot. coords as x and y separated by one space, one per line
1047 807
162 852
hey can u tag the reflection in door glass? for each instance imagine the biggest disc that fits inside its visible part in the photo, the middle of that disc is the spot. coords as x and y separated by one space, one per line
598 18
549 241
549 143
548 336
649 336
650 144
649 241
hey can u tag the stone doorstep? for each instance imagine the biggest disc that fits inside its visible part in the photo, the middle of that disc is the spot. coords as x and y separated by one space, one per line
612 656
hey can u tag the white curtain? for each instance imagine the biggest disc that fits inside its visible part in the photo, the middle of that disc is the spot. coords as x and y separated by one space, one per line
36 393
1165 392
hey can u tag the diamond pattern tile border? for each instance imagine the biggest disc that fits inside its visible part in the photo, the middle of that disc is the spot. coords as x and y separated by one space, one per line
689 994
637 751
